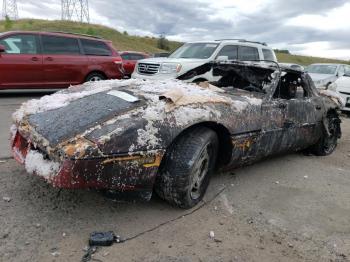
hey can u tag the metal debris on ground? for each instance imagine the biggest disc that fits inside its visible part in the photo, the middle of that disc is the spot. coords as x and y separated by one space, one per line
212 234
7 199
55 254
99 239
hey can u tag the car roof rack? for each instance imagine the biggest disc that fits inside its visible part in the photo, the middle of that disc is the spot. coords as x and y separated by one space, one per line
242 41
70 33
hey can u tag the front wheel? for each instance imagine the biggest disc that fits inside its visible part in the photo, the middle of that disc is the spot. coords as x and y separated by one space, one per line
328 143
185 172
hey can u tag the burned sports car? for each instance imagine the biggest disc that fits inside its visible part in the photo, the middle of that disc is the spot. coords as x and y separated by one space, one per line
136 136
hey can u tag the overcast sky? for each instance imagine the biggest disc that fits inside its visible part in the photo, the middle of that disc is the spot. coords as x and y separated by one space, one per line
309 27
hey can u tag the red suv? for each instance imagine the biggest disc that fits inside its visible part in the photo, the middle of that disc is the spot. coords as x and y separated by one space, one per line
129 60
55 60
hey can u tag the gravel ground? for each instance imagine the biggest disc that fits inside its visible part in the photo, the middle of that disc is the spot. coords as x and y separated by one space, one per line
286 208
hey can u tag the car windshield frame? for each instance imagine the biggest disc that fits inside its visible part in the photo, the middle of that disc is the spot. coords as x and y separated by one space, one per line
195 50
322 69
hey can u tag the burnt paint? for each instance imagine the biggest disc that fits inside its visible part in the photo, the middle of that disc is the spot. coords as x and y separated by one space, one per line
275 126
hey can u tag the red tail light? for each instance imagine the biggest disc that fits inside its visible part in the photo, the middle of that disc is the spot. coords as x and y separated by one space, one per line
20 148
118 61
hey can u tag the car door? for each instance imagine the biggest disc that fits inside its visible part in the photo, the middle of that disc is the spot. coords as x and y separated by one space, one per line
293 115
276 135
21 64
63 62
305 114
278 128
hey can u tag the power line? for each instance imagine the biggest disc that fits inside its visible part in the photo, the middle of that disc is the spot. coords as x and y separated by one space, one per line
9 9
75 10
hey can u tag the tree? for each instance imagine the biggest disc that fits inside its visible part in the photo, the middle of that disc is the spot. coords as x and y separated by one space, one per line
163 43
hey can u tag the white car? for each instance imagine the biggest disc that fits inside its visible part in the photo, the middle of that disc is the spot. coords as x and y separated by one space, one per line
293 66
195 54
342 86
325 74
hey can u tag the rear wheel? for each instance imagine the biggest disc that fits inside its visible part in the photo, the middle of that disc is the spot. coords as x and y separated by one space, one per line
328 143
185 172
94 77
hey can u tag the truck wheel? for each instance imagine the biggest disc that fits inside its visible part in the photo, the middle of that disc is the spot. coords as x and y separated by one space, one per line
328 143
93 77
185 172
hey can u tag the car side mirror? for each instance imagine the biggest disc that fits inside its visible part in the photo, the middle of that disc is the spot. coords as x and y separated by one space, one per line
222 58
2 49
347 74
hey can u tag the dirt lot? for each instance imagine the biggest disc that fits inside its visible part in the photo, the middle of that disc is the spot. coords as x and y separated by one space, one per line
287 208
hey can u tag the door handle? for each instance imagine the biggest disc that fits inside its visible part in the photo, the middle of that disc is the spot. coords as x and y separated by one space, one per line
35 58
49 58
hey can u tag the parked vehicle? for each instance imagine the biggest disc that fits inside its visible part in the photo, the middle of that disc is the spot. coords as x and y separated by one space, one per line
163 54
293 66
325 74
137 135
129 60
55 60
342 86
194 54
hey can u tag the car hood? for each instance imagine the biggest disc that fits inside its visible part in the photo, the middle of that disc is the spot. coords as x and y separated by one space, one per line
318 77
160 60
103 114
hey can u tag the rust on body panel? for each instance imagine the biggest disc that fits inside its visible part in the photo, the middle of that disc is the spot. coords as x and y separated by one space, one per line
254 108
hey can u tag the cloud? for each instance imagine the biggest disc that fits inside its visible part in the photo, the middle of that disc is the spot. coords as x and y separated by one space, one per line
288 24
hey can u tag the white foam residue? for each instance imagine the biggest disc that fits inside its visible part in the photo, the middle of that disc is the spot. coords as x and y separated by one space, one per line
334 95
186 115
253 100
35 163
239 105
153 113
13 131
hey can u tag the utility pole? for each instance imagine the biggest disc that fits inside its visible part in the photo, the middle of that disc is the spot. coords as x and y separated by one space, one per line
9 9
75 10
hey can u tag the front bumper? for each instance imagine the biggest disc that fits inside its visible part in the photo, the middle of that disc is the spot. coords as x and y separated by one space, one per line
346 97
157 76
134 174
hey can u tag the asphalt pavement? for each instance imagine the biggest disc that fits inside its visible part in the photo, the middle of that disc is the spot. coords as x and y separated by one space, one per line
286 208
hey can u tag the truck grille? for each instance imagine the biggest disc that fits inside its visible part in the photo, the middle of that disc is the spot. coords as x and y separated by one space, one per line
148 69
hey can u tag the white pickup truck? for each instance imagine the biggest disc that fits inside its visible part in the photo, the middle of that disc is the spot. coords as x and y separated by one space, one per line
194 54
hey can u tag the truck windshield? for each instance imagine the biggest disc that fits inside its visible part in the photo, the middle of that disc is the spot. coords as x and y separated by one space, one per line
195 50
322 69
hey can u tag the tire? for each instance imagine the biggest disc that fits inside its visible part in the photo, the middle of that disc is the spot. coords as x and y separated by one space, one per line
94 77
328 143
184 174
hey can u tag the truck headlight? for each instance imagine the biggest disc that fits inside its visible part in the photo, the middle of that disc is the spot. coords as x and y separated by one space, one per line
333 87
169 68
